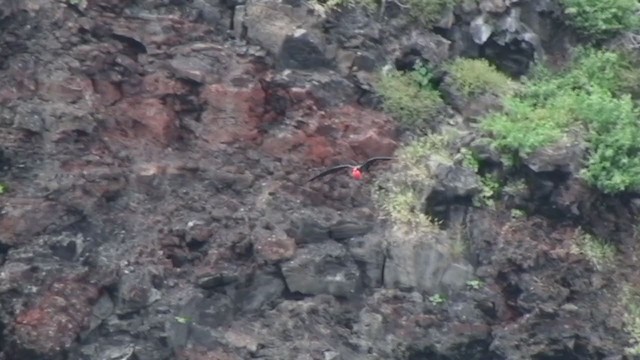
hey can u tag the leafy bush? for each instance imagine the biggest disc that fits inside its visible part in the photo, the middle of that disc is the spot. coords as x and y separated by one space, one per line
588 96
409 96
476 76
602 18
613 164
525 126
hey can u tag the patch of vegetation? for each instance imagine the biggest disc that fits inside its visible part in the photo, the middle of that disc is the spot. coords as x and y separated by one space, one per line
475 284
336 4
524 127
400 196
515 188
3 188
491 187
602 18
409 96
614 164
631 302
599 252
183 319
469 159
476 76
518 214
589 98
437 299
430 12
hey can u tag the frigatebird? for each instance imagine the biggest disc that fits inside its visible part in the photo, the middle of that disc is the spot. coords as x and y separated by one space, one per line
356 170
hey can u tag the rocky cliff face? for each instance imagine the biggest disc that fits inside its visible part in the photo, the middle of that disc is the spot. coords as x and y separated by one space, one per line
155 155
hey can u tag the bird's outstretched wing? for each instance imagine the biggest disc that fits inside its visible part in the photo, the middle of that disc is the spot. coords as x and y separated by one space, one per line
330 171
368 163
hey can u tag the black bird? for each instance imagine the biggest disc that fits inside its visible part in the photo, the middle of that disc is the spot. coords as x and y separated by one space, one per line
356 170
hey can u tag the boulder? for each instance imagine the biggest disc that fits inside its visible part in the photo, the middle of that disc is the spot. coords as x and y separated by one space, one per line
423 262
323 268
564 156
368 253
289 32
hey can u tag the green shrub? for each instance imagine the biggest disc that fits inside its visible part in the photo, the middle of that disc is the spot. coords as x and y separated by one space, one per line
476 76
589 96
602 18
525 126
604 69
409 96
614 130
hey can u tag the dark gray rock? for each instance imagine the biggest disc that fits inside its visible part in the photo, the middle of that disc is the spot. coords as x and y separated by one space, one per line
101 311
564 156
368 252
136 291
346 229
302 50
263 290
323 268
420 262
190 67
457 181
269 23
311 226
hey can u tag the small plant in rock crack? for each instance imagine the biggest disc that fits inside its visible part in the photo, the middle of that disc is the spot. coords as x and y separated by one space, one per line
490 189
183 319
3 188
515 188
518 214
599 252
437 299
631 303
469 159
474 284
337 4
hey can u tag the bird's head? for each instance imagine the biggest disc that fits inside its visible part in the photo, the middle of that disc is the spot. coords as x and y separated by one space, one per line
356 173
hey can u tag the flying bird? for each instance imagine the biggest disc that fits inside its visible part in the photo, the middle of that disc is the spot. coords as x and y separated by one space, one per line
356 170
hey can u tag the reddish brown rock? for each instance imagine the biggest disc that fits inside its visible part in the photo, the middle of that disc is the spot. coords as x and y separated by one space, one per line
319 149
232 113
24 218
62 87
56 318
107 93
160 122
282 144
160 83
372 144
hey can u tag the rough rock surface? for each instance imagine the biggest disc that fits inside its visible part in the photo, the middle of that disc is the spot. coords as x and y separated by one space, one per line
155 155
